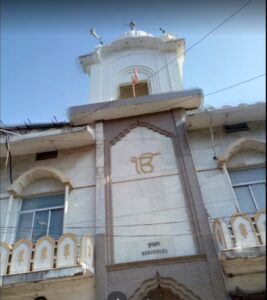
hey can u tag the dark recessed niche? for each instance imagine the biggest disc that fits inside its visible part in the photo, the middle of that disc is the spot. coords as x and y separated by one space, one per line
46 155
236 127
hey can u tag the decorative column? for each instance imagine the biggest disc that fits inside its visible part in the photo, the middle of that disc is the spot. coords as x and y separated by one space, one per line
100 215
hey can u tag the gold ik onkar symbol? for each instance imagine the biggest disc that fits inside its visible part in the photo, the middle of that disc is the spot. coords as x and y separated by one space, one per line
143 162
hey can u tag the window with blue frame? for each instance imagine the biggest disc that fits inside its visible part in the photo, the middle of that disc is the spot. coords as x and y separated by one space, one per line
40 216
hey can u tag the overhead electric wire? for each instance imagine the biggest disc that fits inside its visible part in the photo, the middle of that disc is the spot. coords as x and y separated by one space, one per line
209 94
214 92
124 225
188 49
160 235
204 37
234 85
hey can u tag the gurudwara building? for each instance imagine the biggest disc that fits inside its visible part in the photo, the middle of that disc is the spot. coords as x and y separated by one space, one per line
144 193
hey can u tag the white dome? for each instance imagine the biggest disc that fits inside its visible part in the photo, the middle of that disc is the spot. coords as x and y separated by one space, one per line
135 33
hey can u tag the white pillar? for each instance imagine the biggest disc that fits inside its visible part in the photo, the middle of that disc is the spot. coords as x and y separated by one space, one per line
66 206
10 203
100 180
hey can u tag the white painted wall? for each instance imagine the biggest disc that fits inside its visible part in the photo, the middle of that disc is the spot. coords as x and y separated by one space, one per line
155 197
117 68
79 165
74 288
216 189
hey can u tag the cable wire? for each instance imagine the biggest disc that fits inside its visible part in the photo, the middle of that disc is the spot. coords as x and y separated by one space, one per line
204 37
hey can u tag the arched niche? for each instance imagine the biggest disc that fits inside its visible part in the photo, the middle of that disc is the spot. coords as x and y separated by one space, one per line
125 75
243 231
222 234
21 258
260 220
241 144
35 174
4 257
177 290
67 250
44 254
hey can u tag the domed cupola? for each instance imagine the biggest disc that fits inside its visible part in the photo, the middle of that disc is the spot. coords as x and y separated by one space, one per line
135 54
133 32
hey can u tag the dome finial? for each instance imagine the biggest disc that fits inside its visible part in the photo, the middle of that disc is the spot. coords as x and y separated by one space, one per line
132 25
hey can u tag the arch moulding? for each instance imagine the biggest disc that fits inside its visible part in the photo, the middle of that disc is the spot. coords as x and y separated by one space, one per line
136 124
164 282
239 145
34 174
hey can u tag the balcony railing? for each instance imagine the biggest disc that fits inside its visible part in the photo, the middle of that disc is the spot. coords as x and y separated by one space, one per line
241 231
47 254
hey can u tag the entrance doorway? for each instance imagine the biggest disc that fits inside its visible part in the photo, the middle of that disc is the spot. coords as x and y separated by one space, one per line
161 294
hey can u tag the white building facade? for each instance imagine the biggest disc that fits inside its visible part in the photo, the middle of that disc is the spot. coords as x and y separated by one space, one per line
142 195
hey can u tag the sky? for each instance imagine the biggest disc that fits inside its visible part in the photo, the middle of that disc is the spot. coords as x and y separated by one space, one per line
41 42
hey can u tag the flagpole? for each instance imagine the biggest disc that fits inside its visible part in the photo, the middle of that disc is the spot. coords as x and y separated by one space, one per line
133 90
134 80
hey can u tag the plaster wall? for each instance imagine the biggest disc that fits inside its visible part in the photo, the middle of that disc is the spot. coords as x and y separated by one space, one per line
166 180
190 274
79 165
148 199
82 289
218 195
250 282
117 68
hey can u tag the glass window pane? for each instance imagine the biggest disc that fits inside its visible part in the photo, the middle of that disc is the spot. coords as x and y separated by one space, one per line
259 192
245 199
24 226
248 175
42 202
56 223
40 224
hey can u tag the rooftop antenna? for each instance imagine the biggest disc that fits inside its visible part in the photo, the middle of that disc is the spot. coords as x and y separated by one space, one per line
132 25
94 34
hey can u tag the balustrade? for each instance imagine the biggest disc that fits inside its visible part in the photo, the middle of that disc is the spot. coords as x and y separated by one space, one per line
46 254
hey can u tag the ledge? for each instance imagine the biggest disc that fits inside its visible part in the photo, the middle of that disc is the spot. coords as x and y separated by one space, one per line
245 253
243 261
155 262
55 274
116 109
49 140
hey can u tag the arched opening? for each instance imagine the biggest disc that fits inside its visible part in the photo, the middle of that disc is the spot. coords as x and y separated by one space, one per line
35 174
163 288
43 195
160 293
239 145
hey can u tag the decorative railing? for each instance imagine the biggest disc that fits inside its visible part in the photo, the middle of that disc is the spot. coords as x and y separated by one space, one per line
240 231
47 254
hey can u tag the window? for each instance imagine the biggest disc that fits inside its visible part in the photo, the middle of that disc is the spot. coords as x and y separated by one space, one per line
249 186
41 216
141 89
